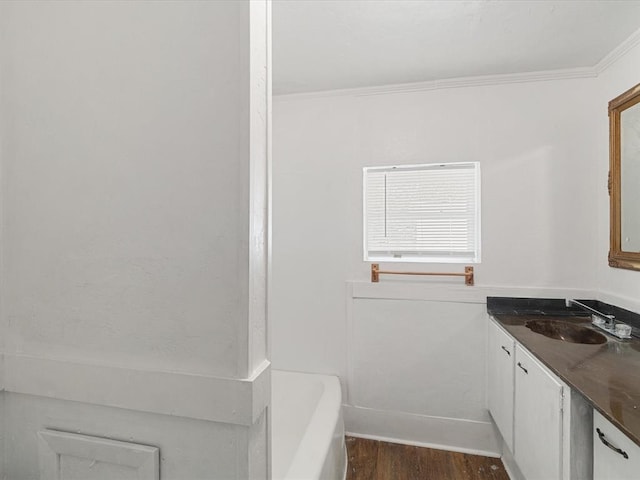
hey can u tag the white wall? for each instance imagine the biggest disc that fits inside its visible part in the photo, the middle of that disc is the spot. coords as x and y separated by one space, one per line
615 284
115 157
413 351
134 142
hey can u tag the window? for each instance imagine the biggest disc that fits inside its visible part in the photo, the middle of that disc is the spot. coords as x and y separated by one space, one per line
422 213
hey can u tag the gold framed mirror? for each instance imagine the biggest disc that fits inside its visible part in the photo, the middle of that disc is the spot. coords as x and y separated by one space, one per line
624 179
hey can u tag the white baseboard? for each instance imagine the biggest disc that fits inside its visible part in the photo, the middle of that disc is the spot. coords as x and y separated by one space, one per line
457 435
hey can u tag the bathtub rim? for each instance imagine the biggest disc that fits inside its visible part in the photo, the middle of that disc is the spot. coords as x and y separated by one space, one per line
325 426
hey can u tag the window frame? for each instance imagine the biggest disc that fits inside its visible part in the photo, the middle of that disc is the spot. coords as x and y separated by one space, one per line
473 259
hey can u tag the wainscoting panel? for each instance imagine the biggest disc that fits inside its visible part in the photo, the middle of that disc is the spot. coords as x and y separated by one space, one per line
70 456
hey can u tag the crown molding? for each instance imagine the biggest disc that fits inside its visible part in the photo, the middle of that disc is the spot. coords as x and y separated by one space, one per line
617 53
478 81
461 82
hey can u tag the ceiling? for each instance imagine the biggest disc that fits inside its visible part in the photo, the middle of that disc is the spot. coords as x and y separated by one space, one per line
334 44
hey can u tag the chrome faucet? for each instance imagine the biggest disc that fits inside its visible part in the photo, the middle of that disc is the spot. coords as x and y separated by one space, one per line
609 320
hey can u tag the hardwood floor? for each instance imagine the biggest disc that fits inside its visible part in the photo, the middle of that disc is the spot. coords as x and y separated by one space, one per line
373 460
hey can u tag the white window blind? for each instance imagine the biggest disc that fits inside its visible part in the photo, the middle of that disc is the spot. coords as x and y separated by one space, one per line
422 213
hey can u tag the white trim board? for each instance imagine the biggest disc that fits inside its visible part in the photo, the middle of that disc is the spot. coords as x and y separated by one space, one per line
456 293
226 400
617 53
510 465
460 82
466 436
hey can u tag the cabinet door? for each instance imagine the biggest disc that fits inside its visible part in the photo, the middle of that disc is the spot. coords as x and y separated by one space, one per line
501 362
618 461
537 419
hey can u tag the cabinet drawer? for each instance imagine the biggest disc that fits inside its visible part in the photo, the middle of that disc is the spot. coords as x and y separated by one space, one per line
618 461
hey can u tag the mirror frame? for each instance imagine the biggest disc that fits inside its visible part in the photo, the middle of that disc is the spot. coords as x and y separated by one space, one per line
617 257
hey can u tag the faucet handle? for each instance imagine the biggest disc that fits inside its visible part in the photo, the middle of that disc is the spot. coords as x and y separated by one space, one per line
611 320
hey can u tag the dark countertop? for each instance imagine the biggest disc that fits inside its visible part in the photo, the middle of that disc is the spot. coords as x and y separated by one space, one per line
607 375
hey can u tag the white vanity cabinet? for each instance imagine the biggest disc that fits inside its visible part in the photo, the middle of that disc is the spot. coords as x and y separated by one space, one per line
537 425
545 426
615 456
501 382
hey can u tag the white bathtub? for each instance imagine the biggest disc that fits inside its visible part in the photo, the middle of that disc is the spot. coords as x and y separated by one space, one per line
307 427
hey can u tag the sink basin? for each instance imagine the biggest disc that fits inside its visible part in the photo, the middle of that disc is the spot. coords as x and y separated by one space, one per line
566 332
